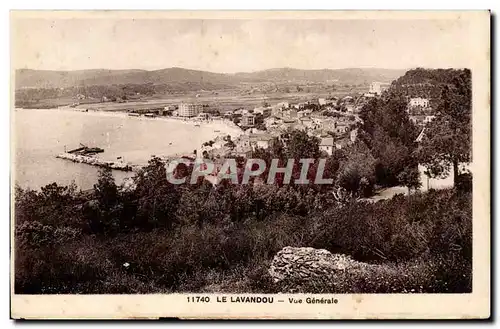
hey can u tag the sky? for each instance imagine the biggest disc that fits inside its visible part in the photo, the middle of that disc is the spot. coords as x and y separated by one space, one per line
236 45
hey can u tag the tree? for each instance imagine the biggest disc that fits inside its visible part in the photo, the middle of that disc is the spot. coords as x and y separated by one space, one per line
390 135
447 141
105 215
301 146
106 191
410 177
357 170
156 198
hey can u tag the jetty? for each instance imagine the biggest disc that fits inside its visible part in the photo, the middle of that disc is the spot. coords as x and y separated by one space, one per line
85 154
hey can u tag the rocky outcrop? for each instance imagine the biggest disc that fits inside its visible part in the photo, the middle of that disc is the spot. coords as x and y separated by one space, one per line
293 268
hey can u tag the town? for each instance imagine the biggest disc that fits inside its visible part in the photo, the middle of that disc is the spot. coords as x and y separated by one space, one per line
334 120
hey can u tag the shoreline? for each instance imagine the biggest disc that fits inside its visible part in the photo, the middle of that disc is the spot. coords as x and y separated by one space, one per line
225 126
209 130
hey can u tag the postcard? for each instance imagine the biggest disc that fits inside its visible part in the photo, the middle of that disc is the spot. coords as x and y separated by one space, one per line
250 164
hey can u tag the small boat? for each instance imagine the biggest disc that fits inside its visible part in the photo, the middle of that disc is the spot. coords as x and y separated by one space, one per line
197 125
134 114
85 150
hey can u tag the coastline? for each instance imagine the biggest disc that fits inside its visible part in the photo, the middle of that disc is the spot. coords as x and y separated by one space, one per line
208 130
224 126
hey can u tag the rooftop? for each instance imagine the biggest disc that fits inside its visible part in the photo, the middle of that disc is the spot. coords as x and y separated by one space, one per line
326 141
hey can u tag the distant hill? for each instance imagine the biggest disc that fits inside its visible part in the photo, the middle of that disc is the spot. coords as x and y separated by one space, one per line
349 75
27 78
429 83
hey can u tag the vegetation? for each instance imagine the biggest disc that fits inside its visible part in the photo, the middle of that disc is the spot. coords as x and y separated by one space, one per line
389 134
199 237
448 137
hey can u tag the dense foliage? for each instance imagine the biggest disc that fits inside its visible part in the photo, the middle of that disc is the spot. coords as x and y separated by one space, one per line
448 139
389 134
188 238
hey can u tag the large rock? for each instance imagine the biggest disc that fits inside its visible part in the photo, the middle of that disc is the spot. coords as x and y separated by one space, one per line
293 268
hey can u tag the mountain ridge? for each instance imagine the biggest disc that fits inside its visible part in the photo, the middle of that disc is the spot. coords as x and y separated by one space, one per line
30 78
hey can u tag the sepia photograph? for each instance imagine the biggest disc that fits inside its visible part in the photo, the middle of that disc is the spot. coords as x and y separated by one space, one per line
245 164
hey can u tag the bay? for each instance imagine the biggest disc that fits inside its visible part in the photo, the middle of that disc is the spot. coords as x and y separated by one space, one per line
39 135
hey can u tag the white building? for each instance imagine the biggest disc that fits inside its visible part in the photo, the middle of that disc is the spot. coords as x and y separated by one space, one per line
326 145
263 141
304 113
189 110
321 101
429 118
283 105
353 135
378 87
419 101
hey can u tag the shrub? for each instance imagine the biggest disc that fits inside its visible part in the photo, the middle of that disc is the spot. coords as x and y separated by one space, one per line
232 234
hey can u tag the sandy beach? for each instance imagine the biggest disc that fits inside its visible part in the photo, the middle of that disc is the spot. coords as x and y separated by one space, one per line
224 126
42 134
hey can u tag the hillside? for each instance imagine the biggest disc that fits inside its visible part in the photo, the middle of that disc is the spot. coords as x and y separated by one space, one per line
349 75
429 83
27 78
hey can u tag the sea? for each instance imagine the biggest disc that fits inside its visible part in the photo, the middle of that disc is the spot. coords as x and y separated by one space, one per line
39 135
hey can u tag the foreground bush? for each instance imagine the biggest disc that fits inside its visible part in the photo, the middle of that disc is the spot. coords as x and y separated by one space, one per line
419 245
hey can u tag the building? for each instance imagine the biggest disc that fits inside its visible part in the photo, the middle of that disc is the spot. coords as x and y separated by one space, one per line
321 101
168 110
290 114
203 116
341 128
240 111
219 142
189 110
326 145
299 106
277 111
377 88
307 122
253 141
265 111
419 101
248 120
304 113
429 118
283 105
262 141
342 143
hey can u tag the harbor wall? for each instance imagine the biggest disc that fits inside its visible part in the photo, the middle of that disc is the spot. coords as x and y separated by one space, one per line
117 165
